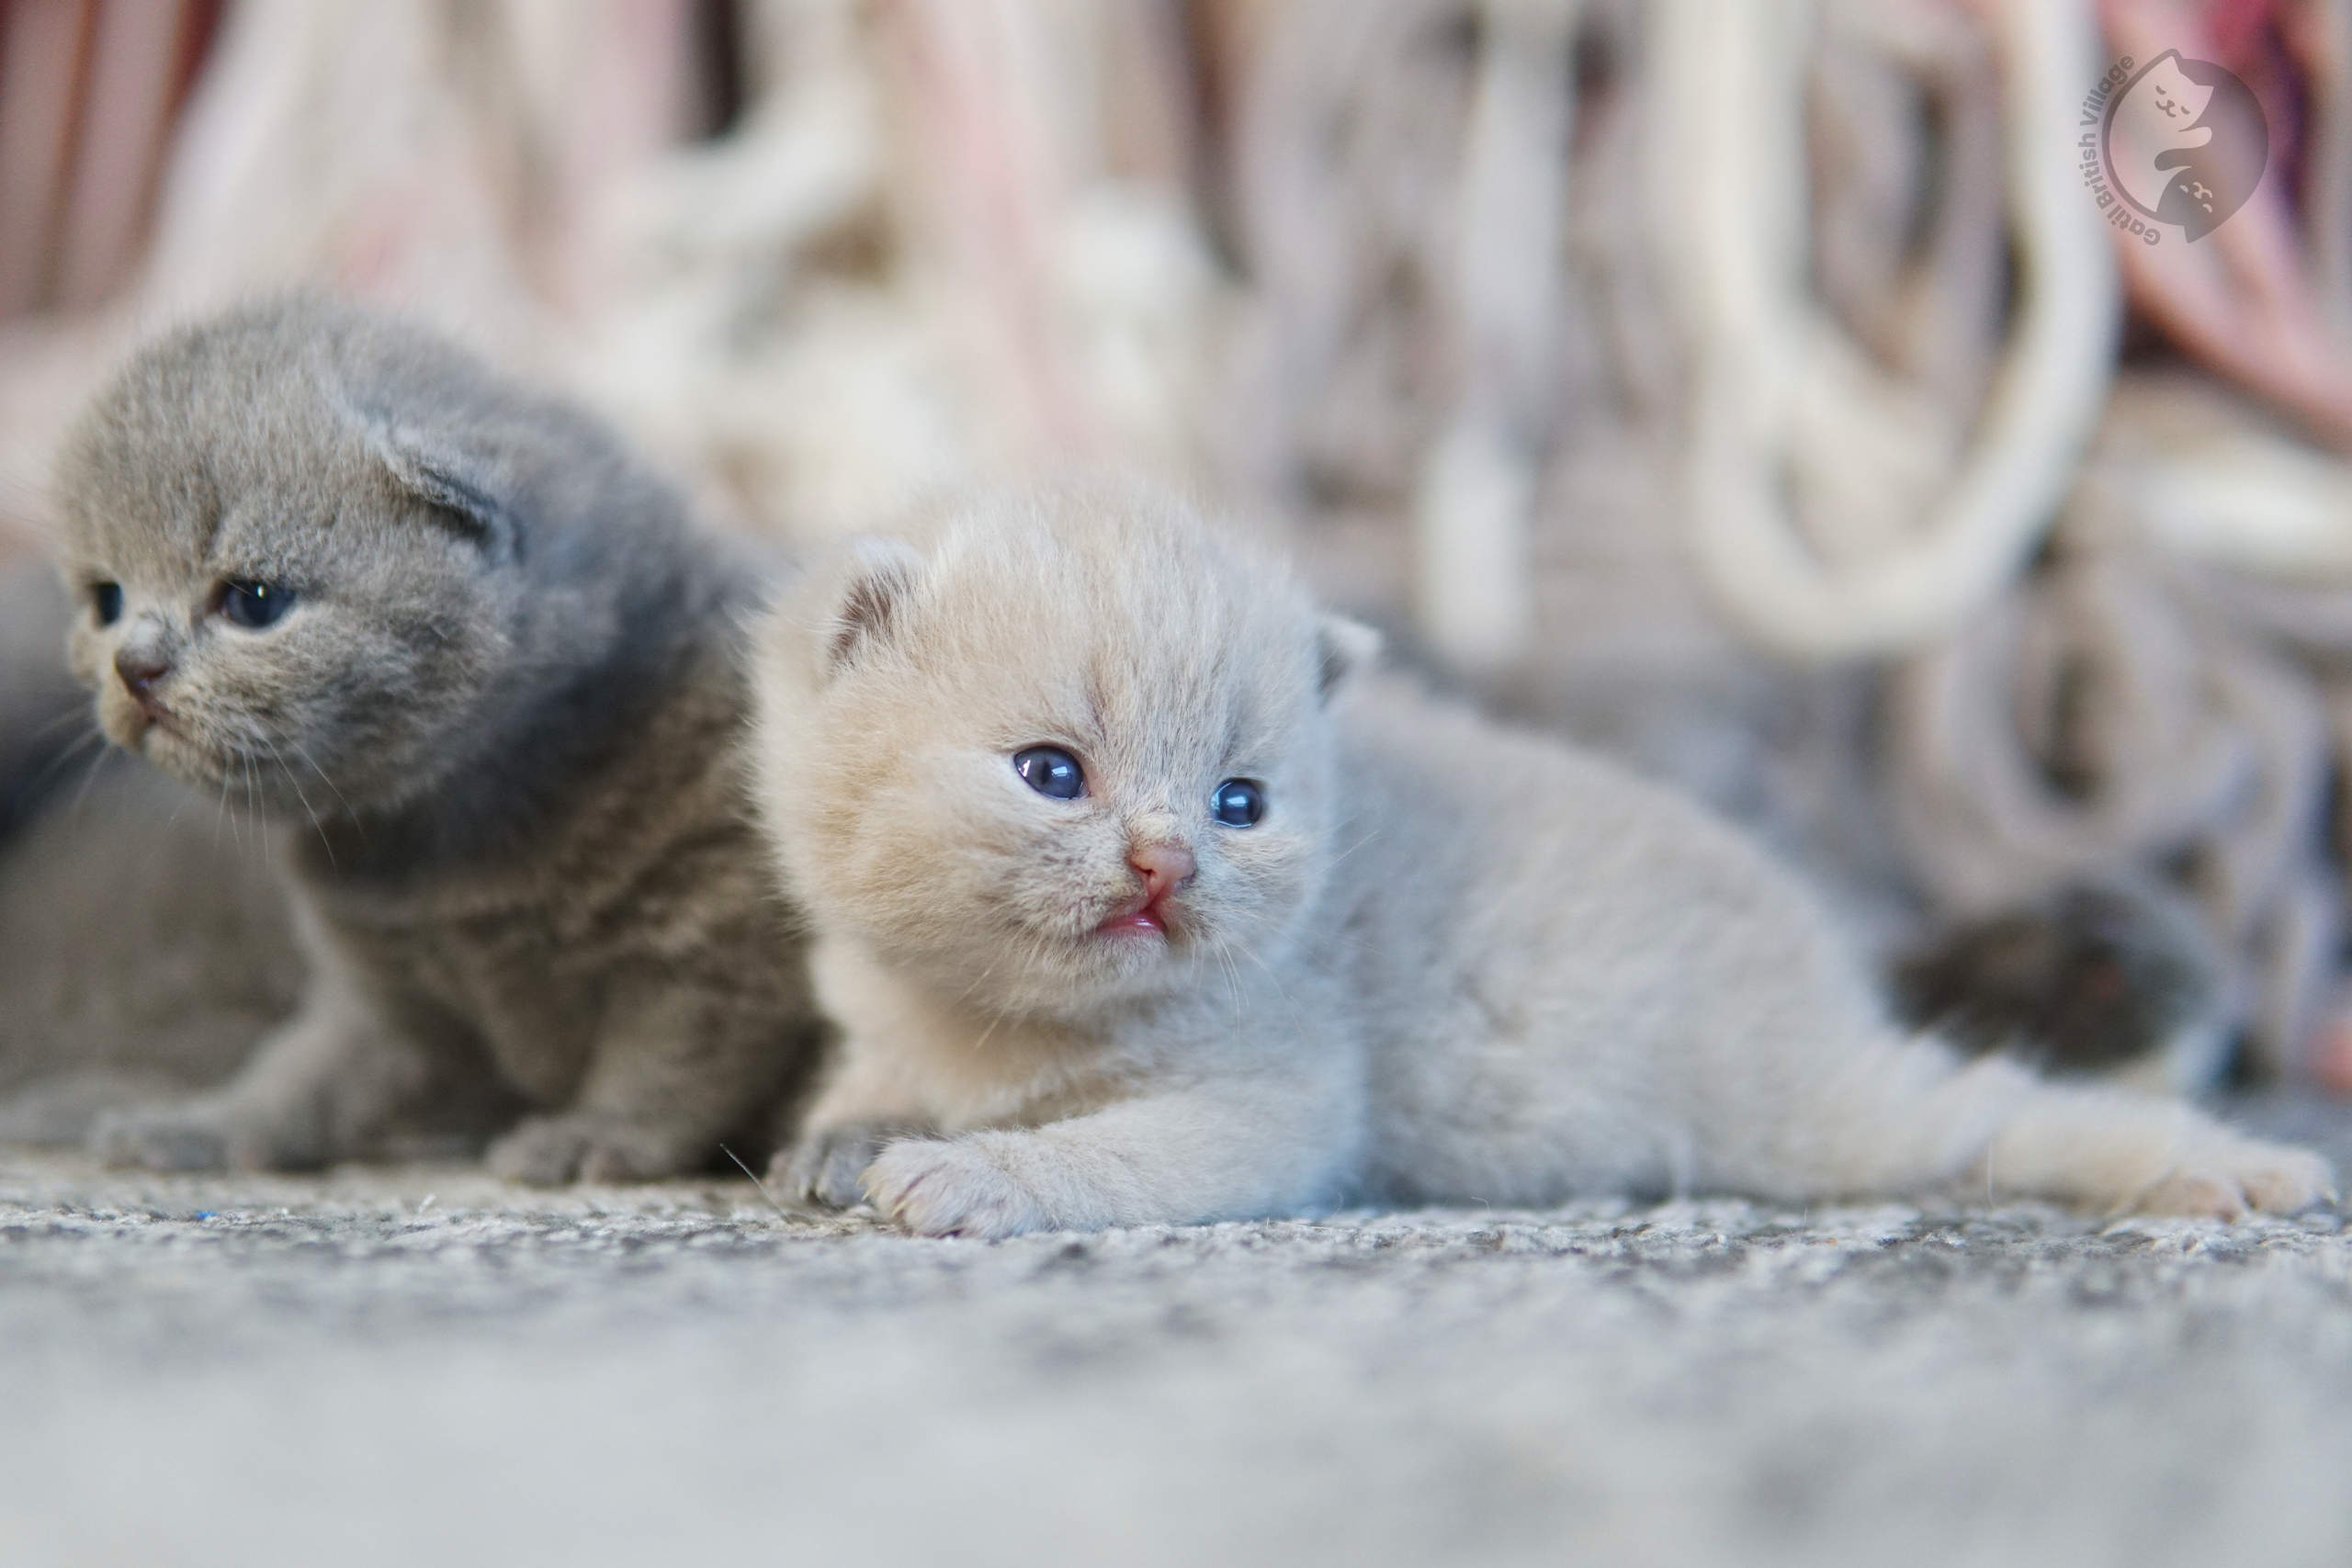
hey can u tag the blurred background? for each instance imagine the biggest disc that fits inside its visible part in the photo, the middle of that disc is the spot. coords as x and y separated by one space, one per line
1756 390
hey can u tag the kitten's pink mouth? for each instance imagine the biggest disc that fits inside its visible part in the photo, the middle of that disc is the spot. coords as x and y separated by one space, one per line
1139 916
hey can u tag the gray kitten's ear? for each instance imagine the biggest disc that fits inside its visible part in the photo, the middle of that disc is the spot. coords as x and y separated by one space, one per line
1348 649
458 484
882 573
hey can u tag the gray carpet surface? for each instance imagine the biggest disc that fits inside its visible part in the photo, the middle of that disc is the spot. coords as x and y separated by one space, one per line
421 1366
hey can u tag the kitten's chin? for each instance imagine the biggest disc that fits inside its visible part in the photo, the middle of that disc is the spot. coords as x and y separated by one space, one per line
166 739
1133 959
257 783
164 743
1069 979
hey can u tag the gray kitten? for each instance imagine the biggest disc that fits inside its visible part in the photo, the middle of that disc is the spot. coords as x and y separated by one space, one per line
476 663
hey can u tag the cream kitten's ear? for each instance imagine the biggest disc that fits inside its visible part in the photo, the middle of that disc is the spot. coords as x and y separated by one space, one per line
882 573
1348 649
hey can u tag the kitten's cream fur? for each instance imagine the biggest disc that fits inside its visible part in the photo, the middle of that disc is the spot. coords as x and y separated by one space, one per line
1452 963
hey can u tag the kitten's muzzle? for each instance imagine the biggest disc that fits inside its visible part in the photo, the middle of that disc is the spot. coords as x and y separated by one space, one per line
1165 868
140 674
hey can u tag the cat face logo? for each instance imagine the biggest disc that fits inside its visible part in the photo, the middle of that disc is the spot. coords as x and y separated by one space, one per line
2184 142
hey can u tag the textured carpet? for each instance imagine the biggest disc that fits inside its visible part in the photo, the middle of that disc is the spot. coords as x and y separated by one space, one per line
420 1367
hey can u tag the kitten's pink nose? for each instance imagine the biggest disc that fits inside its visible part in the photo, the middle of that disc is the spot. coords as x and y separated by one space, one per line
1163 867
140 672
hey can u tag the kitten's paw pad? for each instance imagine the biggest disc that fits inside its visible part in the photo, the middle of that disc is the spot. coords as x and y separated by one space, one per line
935 1187
828 1164
162 1138
2228 1181
548 1151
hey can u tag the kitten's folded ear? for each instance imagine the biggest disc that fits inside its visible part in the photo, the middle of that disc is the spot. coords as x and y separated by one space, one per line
462 486
1348 649
870 594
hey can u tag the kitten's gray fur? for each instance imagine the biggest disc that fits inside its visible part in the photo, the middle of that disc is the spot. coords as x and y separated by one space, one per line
496 724
1450 963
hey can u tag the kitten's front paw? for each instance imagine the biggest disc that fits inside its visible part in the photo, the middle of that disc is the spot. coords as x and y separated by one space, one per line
2227 1179
827 1163
937 1187
166 1137
548 1151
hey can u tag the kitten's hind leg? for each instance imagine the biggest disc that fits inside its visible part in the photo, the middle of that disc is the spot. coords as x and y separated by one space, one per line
1906 1117
2118 1150
320 1088
58 1113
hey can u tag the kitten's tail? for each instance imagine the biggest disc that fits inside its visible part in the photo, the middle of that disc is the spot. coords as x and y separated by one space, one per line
1909 1117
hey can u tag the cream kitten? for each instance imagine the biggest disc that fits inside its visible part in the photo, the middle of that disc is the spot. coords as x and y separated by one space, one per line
1140 898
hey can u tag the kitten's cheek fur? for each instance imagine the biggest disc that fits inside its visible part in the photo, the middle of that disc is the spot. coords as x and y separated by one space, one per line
941 1187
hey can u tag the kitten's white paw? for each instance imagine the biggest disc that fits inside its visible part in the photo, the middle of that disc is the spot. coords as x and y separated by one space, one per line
548 1151
2228 1180
939 1187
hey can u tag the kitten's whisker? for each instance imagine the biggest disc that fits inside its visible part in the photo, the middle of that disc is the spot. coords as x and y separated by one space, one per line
1352 849
320 773
253 808
63 757
1288 1001
978 983
79 711
324 843
983 1040
89 777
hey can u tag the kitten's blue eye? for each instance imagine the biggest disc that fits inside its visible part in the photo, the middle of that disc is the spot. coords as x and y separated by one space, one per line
107 600
253 605
1051 772
1239 803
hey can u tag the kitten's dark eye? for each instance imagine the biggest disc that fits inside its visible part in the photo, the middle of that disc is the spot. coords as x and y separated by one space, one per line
253 605
106 598
1050 770
1239 803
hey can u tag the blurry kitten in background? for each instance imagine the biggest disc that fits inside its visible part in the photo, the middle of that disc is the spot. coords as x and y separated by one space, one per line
2116 977
1140 896
476 663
